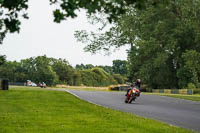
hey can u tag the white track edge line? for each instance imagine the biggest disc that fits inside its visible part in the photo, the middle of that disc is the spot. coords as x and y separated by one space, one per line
84 99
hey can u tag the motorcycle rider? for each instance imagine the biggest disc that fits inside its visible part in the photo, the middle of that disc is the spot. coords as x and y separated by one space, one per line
138 83
132 85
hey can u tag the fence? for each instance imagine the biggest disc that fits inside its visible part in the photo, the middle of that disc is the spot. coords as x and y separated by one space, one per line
17 83
166 91
174 91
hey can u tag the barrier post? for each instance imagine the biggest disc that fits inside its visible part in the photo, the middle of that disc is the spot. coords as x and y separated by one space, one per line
4 84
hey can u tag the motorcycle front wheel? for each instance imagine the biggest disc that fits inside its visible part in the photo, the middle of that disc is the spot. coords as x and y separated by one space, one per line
131 99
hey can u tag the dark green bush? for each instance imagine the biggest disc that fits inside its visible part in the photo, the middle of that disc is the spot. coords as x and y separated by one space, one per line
96 77
191 86
118 78
196 91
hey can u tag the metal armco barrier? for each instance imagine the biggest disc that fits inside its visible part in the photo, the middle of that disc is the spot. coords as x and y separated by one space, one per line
4 84
118 88
174 91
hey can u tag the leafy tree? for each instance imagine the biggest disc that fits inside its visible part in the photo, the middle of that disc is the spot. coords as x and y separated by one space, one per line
192 64
9 16
118 78
108 69
162 36
82 66
120 67
159 38
88 78
96 77
89 66
39 70
10 12
7 70
12 71
64 71
77 78
2 59
113 8
53 71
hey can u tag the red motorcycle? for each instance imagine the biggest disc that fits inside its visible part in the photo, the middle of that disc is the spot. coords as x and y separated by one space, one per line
42 85
132 94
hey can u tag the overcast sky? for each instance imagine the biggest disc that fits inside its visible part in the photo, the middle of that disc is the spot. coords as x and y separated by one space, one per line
39 35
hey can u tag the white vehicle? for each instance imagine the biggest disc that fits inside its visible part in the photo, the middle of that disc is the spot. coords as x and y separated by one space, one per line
29 83
33 84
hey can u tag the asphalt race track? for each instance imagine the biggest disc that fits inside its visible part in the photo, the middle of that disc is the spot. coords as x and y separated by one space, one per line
182 113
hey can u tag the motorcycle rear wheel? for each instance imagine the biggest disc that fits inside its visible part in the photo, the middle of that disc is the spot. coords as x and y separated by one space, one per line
126 100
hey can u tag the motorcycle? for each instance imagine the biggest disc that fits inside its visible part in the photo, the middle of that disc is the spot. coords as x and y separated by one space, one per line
132 94
42 85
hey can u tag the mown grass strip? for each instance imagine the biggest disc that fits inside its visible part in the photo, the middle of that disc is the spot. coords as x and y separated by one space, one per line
180 96
62 88
48 111
186 97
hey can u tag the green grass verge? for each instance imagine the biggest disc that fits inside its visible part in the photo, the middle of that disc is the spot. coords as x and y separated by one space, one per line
61 88
37 110
180 96
83 88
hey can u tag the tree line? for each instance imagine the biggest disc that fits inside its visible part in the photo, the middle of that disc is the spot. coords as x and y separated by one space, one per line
58 71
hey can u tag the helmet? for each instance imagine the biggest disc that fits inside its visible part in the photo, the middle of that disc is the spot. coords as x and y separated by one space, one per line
139 80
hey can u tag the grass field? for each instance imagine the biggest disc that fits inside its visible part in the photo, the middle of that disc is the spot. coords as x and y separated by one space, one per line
186 97
28 110
180 96
82 88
